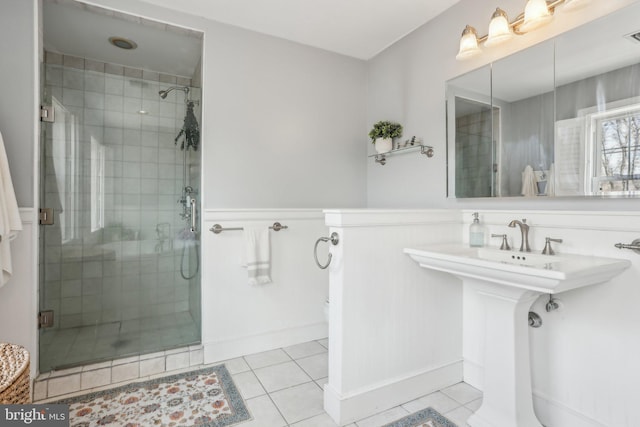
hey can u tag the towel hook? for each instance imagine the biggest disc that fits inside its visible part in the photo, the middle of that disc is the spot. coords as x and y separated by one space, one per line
334 239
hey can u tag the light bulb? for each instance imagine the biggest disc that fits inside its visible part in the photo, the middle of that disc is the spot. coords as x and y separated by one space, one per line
468 43
499 29
536 14
575 4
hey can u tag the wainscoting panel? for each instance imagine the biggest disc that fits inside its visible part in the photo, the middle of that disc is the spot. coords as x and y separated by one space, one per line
18 298
241 319
395 329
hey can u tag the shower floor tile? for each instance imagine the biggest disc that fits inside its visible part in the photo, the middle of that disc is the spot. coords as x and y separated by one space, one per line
88 344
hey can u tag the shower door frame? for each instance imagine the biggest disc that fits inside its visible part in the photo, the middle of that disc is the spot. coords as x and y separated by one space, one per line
40 195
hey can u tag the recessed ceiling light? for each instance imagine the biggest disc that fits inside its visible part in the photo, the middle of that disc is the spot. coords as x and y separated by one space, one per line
143 112
123 43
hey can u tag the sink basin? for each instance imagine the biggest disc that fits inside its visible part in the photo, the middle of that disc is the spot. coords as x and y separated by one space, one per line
508 282
533 271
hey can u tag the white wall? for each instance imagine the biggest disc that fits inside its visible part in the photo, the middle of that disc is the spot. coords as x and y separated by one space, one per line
395 330
239 319
407 84
17 123
584 358
18 105
283 124
18 298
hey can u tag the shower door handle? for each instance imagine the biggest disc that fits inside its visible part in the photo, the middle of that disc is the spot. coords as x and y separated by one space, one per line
193 215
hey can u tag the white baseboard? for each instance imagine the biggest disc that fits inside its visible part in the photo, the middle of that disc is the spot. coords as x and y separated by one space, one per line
473 374
347 409
549 411
228 349
552 413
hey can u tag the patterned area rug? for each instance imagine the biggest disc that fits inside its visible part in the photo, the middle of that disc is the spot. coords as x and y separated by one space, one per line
426 418
204 398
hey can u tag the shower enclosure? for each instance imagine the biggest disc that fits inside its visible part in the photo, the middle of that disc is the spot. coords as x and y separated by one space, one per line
120 170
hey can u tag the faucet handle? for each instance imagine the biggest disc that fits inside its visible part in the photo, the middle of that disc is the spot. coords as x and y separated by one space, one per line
505 245
547 246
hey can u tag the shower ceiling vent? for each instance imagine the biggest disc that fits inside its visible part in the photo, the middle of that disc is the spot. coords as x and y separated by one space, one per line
123 43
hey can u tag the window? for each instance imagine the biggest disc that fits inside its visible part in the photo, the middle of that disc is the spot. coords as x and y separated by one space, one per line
616 146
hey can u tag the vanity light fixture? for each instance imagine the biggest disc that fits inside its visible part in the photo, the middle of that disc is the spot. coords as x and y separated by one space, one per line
499 28
468 43
575 4
536 14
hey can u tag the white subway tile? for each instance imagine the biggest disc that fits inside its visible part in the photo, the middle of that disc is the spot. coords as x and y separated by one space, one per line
177 361
63 385
96 378
72 79
39 390
125 372
196 357
152 366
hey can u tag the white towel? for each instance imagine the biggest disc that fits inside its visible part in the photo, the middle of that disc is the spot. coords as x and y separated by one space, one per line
529 188
551 181
10 222
256 240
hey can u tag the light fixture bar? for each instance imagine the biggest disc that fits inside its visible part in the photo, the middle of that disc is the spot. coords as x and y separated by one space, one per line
514 26
516 23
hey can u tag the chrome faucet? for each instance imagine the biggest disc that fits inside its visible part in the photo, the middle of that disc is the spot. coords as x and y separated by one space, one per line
524 231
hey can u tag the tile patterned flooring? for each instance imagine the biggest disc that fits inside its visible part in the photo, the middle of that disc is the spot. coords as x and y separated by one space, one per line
115 339
283 388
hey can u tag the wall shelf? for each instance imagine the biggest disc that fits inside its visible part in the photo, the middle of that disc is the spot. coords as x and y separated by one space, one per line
381 158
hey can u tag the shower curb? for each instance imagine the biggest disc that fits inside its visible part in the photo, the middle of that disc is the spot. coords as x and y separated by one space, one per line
105 375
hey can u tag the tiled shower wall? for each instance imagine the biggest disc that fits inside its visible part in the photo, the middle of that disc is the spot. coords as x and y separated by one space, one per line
114 176
474 157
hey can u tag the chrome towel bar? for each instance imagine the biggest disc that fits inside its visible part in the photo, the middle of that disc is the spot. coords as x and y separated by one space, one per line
217 228
634 246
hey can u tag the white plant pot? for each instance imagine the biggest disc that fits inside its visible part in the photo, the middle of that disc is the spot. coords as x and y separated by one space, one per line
383 145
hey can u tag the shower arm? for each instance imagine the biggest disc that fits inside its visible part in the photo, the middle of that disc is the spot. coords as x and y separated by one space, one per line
163 93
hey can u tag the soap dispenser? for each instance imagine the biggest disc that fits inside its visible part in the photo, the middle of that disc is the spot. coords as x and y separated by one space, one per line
476 232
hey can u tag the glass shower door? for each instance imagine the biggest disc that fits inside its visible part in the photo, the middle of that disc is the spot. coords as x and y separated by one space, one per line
119 271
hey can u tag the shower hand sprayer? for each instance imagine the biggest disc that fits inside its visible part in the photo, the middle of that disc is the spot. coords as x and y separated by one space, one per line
191 132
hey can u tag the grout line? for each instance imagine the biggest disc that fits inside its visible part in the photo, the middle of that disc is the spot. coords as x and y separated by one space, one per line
268 394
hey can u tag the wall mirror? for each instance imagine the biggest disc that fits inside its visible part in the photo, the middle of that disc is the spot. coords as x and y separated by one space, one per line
561 118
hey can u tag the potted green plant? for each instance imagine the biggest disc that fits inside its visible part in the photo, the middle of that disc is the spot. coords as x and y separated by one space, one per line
383 133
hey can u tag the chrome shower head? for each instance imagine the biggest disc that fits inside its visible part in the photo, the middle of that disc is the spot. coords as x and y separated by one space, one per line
163 93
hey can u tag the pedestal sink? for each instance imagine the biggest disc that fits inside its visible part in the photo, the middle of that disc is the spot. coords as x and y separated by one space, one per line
509 283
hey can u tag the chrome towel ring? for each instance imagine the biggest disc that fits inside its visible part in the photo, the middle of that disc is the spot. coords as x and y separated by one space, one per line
334 239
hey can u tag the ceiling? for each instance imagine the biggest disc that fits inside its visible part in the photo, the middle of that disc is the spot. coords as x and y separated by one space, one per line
356 28
81 30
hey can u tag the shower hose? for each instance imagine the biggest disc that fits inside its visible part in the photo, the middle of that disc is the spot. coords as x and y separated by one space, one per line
184 250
